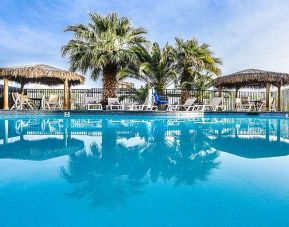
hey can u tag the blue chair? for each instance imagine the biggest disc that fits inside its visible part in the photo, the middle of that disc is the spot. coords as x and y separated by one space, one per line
159 100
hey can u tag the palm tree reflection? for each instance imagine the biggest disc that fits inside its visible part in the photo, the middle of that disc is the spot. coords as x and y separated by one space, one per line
109 174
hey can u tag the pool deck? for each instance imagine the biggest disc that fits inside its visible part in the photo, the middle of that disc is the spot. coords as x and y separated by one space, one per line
68 113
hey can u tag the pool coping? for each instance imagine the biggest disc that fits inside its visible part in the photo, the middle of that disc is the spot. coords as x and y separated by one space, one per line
67 113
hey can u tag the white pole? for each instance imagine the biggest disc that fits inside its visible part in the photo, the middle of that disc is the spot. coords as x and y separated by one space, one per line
150 99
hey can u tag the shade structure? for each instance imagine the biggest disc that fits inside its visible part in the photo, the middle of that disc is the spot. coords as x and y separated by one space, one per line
39 73
39 150
254 78
251 148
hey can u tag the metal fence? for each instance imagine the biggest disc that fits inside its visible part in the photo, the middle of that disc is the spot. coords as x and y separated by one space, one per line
173 95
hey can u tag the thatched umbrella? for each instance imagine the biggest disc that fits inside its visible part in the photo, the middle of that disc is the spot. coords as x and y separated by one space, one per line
40 73
254 78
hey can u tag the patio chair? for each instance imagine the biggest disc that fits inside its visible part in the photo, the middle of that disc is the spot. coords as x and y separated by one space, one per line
187 105
53 102
16 99
159 100
114 104
91 103
214 105
244 104
271 105
26 103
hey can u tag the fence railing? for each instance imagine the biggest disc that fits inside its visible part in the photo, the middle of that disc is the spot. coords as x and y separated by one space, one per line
173 95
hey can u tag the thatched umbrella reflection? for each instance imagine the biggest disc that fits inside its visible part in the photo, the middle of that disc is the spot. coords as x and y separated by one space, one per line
251 147
39 150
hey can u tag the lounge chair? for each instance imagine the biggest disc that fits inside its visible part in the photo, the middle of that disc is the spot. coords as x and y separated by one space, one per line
114 104
144 106
187 105
53 103
91 103
214 105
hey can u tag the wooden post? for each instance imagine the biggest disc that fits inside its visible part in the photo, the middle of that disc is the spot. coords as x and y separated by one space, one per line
237 92
268 87
220 91
279 98
22 88
69 95
6 95
65 104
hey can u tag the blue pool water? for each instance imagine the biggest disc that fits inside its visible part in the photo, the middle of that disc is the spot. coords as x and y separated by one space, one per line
144 171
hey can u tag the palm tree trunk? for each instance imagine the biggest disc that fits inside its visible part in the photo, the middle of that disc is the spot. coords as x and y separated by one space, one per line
109 82
185 94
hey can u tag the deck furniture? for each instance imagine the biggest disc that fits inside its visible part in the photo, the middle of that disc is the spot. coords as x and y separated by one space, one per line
91 103
214 105
53 102
16 100
187 105
244 104
159 99
272 107
114 104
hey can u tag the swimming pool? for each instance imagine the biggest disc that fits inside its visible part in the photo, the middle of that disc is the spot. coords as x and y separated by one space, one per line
216 170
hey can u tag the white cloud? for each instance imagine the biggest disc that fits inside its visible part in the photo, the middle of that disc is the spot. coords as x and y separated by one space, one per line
245 34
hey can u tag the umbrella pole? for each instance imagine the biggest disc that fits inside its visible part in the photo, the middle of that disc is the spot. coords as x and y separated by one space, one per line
279 98
268 87
65 104
6 94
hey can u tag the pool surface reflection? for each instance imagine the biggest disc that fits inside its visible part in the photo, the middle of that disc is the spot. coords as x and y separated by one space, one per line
144 171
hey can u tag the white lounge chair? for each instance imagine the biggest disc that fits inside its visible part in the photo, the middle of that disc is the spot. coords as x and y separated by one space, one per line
144 106
91 103
53 103
214 105
187 105
114 104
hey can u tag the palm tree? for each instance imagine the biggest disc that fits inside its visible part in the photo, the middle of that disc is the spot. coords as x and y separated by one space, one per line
102 47
137 95
194 60
157 67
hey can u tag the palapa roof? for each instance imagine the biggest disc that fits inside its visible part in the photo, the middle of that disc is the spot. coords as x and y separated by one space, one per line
252 78
40 73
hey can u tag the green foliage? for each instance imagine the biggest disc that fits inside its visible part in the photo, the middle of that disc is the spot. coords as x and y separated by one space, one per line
157 67
138 95
105 42
195 64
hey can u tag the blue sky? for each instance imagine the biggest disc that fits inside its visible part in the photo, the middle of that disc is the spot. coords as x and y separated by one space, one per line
244 33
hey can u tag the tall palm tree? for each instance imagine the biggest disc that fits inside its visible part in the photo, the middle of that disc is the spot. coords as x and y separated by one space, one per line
194 60
157 67
102 47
